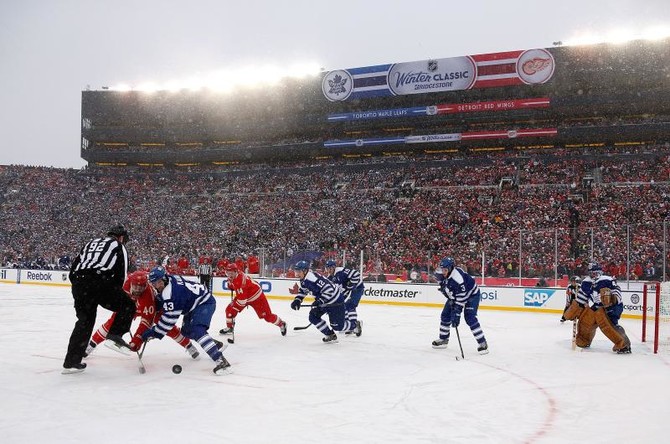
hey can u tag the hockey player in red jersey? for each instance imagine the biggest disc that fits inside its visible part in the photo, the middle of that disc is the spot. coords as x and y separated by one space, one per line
136 285
248 292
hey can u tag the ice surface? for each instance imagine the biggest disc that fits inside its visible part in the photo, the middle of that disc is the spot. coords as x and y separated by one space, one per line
388 386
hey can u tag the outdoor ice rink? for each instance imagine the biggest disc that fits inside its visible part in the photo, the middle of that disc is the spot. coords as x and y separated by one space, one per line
388 386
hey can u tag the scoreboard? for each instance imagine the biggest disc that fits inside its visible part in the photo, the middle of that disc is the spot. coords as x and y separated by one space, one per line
562 96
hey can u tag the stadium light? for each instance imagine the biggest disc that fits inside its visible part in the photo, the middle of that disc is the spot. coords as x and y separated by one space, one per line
226 80
619 36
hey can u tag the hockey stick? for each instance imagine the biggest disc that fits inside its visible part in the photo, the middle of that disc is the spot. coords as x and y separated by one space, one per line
574 334
232 340
458 336
302 328
140 353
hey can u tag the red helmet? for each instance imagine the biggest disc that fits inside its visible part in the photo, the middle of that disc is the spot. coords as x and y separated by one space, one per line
138 282
231 267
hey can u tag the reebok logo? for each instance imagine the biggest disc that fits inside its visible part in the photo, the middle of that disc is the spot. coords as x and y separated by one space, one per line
38 276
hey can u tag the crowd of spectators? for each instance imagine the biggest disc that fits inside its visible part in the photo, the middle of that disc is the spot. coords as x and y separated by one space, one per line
403 213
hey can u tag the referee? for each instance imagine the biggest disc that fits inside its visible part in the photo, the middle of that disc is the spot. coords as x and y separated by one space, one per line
97 275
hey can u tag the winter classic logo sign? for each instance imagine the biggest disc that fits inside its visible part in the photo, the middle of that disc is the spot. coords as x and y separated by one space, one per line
337 85
452 74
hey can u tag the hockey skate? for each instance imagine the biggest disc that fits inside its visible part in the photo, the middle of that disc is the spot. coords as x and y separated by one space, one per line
358 329
192 351
282 328
116 343
483 348
222 367
441 343
623 351
330 339
226 331
75 368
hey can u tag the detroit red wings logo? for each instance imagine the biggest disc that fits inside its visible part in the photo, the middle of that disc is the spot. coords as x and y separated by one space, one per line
535 65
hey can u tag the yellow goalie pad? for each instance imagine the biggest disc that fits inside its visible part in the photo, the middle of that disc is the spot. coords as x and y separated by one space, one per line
573 312
614 334
586 328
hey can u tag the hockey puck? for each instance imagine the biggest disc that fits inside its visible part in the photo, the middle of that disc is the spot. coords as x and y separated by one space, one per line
176 369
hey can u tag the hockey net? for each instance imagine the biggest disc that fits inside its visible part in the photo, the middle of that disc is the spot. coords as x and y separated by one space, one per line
656 315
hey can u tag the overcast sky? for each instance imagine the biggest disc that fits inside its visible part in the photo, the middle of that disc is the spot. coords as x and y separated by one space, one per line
52 50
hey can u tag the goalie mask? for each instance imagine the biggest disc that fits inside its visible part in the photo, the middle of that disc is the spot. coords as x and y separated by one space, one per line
595 270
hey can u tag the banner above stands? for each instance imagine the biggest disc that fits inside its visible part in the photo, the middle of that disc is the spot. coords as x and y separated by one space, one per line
531 67
535 299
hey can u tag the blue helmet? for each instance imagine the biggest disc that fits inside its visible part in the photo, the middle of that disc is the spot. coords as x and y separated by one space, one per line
331 263
302 265
157 273
448 262
595 270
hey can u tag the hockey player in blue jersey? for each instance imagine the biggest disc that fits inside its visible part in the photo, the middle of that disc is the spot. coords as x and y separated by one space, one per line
176 297
606 308
328 299
352 285
462 295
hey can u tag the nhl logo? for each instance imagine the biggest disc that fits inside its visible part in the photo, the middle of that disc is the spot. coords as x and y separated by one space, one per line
432 65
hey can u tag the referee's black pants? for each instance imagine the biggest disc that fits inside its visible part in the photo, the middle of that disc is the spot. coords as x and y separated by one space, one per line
89 292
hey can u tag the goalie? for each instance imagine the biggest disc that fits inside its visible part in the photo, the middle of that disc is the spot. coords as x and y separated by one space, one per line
604 313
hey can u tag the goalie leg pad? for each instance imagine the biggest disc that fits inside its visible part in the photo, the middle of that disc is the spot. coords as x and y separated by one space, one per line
586 329
614 334
574 311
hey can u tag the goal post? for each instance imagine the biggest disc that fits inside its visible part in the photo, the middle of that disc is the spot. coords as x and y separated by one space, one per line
656 315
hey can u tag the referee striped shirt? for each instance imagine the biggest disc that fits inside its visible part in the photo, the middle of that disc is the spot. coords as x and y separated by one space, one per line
105 256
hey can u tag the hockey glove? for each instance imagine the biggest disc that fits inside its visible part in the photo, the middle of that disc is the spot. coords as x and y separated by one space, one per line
295 305
456 315
150 334
595 307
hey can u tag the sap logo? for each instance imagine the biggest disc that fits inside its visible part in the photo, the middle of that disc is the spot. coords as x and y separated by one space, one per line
536 298
38 276
489 295
266 286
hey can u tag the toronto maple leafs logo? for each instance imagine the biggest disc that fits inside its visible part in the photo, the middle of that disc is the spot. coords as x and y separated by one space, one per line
337 85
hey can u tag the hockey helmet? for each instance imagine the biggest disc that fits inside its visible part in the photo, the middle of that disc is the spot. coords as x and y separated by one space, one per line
138 282
232 268
595 270
118 230
575 279
302 266
157 274
330 263
447 263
